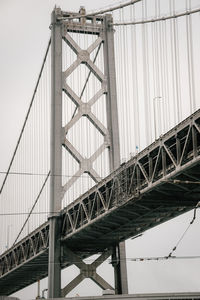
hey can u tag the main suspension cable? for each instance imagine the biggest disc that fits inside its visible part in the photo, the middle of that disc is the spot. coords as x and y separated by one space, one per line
100 12
174 16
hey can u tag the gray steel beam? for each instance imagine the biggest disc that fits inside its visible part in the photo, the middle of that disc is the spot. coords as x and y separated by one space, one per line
54 266
86 270
112 111
121 282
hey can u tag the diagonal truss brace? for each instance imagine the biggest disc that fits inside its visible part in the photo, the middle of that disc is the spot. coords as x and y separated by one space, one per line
84 109
86 270
83 56
85 163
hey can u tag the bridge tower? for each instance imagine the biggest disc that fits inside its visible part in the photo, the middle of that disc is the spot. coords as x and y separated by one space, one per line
63 24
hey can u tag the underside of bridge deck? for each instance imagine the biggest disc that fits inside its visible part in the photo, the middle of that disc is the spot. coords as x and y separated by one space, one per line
157 185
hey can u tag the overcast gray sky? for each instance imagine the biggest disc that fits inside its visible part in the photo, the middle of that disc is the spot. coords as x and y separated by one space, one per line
24 35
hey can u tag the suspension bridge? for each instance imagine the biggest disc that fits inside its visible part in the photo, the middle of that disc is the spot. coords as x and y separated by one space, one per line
110 145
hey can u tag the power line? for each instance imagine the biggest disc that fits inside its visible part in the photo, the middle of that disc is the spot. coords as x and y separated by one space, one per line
174 181
128 260
158 258
183 235
177 181
44 212
42 174
27 213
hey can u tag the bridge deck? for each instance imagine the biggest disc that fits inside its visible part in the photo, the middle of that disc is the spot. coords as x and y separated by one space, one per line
139 195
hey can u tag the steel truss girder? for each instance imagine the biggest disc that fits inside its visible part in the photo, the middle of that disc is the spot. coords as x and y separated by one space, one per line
129 191
160 161
34 244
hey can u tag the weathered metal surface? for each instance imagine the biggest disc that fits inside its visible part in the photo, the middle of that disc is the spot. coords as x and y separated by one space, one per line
137 196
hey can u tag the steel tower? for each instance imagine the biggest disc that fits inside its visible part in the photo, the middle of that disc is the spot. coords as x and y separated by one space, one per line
63 23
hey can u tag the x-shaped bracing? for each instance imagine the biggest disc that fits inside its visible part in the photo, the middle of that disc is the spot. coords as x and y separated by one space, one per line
83 56
84 109
86 271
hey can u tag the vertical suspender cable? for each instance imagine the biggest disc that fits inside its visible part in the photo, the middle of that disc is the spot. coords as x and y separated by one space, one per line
166 77
154 76
162 103
177 70
146 110
121 87
158 74
173 81
190 59
135 83
126 87
145 46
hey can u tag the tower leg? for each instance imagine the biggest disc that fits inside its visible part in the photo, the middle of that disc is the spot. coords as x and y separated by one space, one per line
120 269
54 279
54 265
121 283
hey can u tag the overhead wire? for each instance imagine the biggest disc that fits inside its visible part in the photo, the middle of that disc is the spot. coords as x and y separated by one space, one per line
49 212
178 181
110 261
186 230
